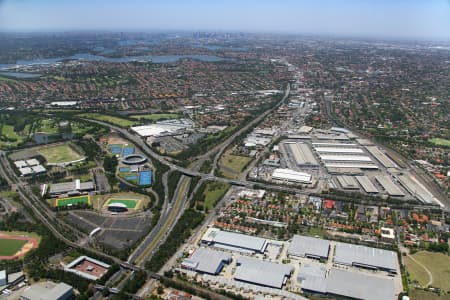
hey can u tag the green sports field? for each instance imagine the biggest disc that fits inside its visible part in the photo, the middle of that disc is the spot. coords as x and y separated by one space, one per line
73 201
440 142
128 202
10 247
59 153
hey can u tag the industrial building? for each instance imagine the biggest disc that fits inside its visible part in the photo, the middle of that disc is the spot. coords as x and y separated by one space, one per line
163 128
48 291
87 267
262 272
365 257
412 185
344 283
381 157
351 165
234 241
335 145
305 246
291 176
71 188
205 260
347 182
389 186
367 185
302 154
339 150
345 158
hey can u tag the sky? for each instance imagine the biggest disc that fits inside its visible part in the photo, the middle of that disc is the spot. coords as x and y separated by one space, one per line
409 19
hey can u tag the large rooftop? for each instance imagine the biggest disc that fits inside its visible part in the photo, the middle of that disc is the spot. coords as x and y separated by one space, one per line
305 246
234 241
262 272
363 256
206 260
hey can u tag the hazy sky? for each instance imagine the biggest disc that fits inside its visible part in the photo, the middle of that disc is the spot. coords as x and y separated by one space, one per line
426 19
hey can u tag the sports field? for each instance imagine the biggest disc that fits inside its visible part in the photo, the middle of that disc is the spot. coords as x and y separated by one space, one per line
73 201
59 153
440 142
130 203
15 245
10 247
437 264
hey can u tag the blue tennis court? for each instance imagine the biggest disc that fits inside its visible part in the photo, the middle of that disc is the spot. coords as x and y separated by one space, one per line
145 178
116 148
124 169
128 151
131 177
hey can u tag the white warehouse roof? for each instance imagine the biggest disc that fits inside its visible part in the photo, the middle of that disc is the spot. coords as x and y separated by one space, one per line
306 246
262 272
338 150
234 241
345 158
291 175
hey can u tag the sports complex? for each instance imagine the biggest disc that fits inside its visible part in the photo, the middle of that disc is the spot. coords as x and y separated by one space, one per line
121 202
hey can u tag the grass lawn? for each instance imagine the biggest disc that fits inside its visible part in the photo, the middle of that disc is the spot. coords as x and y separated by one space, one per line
73 201
47 125
213 192
437 263
155 117
10 247
420 295
233 163
109 119
440 142
59 153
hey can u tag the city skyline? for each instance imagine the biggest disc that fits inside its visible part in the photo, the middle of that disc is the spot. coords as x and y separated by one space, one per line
428 20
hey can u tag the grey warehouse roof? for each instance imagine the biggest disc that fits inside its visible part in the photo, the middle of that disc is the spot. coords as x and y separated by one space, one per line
207 260
308 246
238 240
349 254
359 285
262 272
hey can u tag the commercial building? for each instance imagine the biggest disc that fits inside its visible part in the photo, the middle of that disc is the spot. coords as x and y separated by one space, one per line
261 272
389 186
301 153
291 176
335 145
350 165
347 182
365 257
381 157
339 150
163 128
71 188
304 246
345 158
87 267
205 260
367 185
48 291
234 241
417 189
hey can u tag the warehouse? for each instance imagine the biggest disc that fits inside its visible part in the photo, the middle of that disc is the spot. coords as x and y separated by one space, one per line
335 145
381 157
261 272
367 185
352 158
389 186
207 261
303 155
412 185
339 150
351 165
347 182
72 188
234 241
304 246
291 175
365 257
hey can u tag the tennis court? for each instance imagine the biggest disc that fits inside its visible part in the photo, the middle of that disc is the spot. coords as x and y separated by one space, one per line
145 178
128 202
128 151
115 148
73 201
124 169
